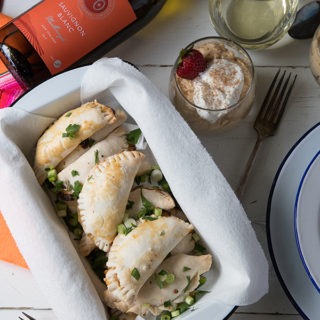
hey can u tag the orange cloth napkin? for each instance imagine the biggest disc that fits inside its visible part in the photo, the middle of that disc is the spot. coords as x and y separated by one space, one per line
8 249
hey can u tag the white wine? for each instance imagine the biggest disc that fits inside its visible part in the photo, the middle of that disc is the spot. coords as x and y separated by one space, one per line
254 24
252 19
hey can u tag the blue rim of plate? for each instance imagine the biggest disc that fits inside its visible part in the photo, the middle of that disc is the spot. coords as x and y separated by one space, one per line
296 234
268 216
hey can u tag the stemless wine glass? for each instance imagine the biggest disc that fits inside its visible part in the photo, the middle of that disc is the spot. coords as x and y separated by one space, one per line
228 86
254 24
314 57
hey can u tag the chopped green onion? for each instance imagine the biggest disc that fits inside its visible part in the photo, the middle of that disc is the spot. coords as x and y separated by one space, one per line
129 223
135 273
164 278
198 294
71 131
202 281
185 269
175 313
183 307
52 175
149 218
156 176
96 157
121 229
57 186
165 317
164 185
157 212
68 114
189 300
170 278
61 206
74 173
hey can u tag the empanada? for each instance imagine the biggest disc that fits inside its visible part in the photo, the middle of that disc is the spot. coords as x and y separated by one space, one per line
186 269
140 252
104 196
65 134
115 142
96 137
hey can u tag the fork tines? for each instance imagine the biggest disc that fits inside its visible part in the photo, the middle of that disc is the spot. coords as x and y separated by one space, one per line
277 95
27 316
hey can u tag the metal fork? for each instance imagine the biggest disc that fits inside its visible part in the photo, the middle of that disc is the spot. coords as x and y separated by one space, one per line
27 316
268 118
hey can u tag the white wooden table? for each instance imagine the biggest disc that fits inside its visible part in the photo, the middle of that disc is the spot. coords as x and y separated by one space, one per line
154 50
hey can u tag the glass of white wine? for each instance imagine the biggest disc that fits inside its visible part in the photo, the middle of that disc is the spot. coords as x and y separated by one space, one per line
255 24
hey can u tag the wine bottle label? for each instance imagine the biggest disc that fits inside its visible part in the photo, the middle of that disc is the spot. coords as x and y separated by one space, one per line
62 32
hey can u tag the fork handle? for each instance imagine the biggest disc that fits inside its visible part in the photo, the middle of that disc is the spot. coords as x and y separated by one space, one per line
243 181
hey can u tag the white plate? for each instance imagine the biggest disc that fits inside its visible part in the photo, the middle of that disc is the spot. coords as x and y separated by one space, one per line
307 215
280 226
50 99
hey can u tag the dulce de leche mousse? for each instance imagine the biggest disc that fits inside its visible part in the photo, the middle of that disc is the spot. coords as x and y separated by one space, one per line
220 94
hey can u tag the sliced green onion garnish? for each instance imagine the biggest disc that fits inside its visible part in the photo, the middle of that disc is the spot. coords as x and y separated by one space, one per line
185 269
189 300
130 222
156 176
135 273
175 313
52 175
157 212
121 229
96 157
202 281
61 206
183 307
170 278
165 317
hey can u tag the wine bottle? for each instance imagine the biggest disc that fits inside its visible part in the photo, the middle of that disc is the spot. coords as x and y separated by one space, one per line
55 36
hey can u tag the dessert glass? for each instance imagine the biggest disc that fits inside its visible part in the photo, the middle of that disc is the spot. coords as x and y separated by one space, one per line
230 91
314 58
254 24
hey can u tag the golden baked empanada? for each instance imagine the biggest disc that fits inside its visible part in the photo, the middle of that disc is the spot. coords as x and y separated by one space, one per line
66 133
104 196
186 270
134 257
96 137
115 142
